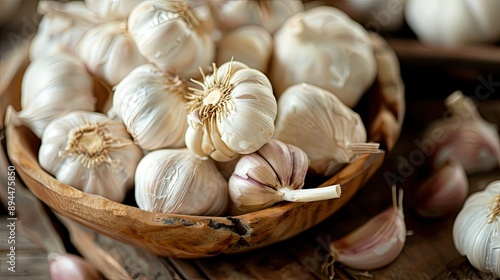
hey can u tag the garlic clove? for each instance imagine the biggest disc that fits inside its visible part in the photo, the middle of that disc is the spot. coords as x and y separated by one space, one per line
274 173
69 266
316 121
250 44
444 192
178 181
373 245
90 152
151 105
234 110
103 48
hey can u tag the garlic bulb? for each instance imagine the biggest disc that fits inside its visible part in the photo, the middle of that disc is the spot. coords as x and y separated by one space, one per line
465 136
230 14
476 229
249 44
169 35
52 86
111 9
324 47
315 120
275 173
72 267
104 49
233 112
444 192
177 181
452 22
61 28
151 105
90 152
373 245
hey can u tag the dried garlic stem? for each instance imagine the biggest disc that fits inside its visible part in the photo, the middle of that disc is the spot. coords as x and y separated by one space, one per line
308 195
462 106
363 148
494 209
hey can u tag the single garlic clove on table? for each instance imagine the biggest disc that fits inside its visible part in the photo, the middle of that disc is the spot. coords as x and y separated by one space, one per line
232 113
90 152
275 173
178 181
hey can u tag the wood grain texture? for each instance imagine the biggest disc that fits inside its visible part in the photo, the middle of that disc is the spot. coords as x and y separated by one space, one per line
185 236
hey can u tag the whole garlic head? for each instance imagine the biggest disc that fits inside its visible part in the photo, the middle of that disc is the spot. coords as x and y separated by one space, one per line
151 105
178 181
233 112
169 35
109 52
250 44
329 132
90 152
476 229
61 28
324 47
52 86
229 14
111 9
452 22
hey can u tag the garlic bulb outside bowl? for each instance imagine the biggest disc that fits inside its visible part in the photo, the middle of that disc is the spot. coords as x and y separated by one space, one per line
178 181
324 47
88 151
151 105
476 229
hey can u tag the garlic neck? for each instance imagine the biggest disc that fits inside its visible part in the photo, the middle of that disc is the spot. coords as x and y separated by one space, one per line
494 209
308 195
461 106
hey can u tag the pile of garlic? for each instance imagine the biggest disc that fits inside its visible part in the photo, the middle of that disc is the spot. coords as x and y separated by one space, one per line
260 91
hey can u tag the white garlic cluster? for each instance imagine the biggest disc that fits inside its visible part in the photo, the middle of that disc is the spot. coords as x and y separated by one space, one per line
324 47
90 152
151 105
52 86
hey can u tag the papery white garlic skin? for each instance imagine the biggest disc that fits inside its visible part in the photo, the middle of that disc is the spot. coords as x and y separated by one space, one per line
274 173
90 152
109 52
375 244
230 14
52 86
324 47
61 28
316 121
178 181
443 192
476 229
111 9
450 22
249 44
232 113
151 105
169 35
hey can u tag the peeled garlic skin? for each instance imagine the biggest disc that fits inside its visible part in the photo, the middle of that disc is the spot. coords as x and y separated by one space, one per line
109 179
52 86
165 39
249 44
246 122
231 14
177 181
473 235
317 122
450 22
444 192
375 244
72 267
111 9
323 47
151 104
104 49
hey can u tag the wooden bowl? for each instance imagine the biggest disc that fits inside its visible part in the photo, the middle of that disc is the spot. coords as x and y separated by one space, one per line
185 236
